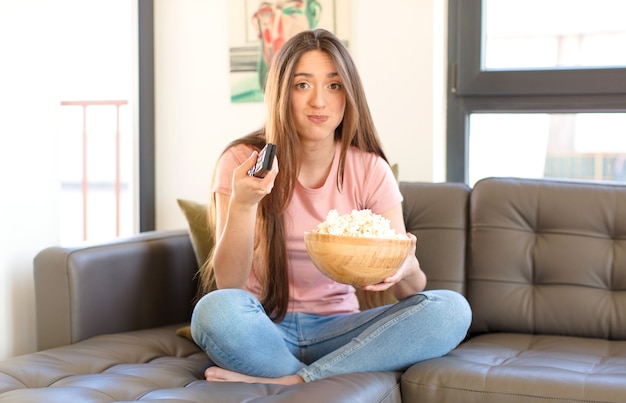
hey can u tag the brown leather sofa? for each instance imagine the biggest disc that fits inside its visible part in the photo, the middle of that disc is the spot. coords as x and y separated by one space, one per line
543 264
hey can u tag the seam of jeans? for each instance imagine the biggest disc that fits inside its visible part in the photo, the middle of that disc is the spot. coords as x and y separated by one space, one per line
309 373
367 321
215 348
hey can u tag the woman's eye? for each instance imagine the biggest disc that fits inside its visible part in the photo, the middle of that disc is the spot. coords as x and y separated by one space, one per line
302 86
335 86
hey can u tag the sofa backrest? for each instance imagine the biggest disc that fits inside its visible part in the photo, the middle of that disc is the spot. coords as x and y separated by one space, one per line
548 257
138 282
437 214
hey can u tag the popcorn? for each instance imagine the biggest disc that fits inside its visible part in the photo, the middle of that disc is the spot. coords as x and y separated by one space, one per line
359 223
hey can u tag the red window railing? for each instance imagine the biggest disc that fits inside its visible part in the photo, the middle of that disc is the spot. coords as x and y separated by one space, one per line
84 176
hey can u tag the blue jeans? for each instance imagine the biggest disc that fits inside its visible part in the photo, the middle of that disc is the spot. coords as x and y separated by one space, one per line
231 326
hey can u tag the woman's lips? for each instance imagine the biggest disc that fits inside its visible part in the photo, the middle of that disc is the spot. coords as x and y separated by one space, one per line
318 118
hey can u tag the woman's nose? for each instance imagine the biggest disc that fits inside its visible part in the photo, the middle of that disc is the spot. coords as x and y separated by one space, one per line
318 98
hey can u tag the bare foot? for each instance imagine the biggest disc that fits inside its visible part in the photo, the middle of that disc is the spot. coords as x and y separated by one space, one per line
217 374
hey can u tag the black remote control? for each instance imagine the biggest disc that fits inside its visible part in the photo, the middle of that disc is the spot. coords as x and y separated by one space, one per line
264 161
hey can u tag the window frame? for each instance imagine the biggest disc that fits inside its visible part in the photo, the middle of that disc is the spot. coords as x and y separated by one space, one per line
147 174
471 89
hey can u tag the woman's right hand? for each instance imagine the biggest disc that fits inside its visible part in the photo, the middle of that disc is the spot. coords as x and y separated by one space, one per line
249 190
235 224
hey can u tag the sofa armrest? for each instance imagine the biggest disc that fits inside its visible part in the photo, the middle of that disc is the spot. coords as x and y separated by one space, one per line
133 283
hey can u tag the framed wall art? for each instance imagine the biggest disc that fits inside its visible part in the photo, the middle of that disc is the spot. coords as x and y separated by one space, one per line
259 28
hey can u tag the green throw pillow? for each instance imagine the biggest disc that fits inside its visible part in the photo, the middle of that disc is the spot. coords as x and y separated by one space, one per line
201 240
201 236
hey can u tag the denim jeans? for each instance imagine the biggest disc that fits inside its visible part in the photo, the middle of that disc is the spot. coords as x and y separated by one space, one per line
231 326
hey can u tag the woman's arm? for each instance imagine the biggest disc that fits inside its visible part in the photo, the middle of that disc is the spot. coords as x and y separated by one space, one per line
409 279
235 224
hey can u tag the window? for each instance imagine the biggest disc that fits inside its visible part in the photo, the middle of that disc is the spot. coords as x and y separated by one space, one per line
106 119
537 88
553 34
98 105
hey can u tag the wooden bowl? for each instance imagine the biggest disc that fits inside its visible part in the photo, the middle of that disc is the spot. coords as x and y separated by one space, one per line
356 260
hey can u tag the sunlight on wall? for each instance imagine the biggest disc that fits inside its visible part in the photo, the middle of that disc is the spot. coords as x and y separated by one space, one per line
28 162
47 56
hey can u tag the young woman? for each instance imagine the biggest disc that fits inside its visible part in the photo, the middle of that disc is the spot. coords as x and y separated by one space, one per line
273 316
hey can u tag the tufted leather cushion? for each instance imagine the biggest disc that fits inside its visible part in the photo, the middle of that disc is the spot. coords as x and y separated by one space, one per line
548 257
516 368
157 365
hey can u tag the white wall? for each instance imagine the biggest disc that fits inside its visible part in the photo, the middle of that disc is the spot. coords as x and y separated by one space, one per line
29 201
400 53
45 51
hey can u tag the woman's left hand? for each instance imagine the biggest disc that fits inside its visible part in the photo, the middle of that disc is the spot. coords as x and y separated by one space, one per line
409 268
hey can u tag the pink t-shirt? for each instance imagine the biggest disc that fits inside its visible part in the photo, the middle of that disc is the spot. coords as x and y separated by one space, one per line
368 184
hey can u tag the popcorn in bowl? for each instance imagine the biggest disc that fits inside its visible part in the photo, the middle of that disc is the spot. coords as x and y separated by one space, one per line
359 223
359 248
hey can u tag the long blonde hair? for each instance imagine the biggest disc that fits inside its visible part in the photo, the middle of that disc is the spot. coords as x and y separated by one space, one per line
356 130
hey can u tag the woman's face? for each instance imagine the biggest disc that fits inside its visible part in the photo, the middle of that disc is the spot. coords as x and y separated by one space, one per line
318 99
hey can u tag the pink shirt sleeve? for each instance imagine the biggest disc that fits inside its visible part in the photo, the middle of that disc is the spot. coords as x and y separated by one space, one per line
231 159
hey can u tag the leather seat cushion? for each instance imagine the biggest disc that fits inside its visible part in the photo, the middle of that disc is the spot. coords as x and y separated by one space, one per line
156 364
509 367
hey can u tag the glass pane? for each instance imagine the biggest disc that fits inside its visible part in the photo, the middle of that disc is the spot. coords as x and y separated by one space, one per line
589 146
527 34
96 121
